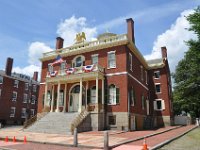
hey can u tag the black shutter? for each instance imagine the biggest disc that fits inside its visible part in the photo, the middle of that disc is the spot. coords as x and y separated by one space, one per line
88 96
99 96
117 95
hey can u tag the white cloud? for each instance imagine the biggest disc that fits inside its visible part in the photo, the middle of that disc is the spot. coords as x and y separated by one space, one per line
173 39
35 51
68 29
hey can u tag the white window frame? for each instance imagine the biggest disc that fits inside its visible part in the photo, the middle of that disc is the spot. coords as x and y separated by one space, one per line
162 104
93 58
14 98
146 77
131 61
112 97
23 113
93 95
50 68
132 96
61 101
74 61
16 83
25 98
33 99
34 88
1 79
143 101
141 73
12 114
156 88
110 65
32 112
26 86
155 73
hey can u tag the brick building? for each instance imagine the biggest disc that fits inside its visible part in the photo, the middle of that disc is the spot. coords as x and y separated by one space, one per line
18 95
119 88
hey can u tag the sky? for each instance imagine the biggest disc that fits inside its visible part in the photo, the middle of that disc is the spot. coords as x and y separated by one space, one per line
30 28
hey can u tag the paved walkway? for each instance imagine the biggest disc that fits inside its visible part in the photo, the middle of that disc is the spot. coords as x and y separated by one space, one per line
94 139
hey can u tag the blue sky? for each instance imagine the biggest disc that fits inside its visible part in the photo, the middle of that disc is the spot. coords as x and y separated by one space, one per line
30 26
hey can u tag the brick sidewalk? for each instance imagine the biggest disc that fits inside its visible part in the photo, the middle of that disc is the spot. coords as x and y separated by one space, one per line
90 139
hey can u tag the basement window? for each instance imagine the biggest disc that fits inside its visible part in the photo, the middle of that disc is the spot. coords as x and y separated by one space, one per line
112 120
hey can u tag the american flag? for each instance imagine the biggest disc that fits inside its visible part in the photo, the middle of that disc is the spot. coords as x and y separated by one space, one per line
57 61
53 73
70 70
88 68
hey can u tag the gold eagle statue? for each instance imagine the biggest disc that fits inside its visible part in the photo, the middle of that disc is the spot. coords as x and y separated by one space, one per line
80 37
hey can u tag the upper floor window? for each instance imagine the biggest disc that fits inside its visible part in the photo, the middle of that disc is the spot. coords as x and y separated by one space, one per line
26 86
132 97
156 74
111 59
50 68
159 104
113 95
12 112
14 96
130 62
95 59
63 66
33 99
78 61
158 88
25 98
16 83
1 79
143 101
141 73
34 88
146 77
23 113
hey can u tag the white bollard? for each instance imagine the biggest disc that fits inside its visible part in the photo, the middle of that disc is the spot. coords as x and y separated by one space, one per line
197 121
106 140
75 137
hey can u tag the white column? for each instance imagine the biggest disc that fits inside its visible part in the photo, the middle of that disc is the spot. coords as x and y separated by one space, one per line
86 89
65 94
58 97
45 93
52 99
102 94
97 84
80 95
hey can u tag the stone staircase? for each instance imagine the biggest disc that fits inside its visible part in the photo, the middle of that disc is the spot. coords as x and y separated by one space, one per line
58 123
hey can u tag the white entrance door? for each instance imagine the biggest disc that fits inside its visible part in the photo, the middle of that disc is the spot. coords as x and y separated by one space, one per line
75 101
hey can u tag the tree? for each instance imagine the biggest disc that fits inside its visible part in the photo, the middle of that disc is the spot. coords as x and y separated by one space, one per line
187 73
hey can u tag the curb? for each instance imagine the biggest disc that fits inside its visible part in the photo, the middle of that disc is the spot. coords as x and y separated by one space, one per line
172 139
140 138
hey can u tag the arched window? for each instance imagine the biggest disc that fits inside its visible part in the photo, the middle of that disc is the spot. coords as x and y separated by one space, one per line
78 61
113 94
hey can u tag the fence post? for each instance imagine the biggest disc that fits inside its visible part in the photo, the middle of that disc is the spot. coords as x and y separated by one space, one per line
75 137
106 140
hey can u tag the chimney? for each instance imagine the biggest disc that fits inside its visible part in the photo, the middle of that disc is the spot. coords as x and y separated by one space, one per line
164 52
130 29
59 42
9 65
35 76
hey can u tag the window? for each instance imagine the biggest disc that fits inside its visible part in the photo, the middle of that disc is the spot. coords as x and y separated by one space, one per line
34 88
95 59
1 79
50 68
159 104
146 77
16 82
61 98
130 62
26 86
25 98
111 59
93 95
33 99
62 67
143 101
132 97
12 112
14 96
48 100
113 95
0 92
23 113
141 72
32 112
112 120
78 61
158 88
156 74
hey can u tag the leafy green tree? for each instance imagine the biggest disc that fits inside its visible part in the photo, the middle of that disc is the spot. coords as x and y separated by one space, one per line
187 74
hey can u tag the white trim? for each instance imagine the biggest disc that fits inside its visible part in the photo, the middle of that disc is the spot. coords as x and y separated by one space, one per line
111 52
116 74
157 71
42 83
138 81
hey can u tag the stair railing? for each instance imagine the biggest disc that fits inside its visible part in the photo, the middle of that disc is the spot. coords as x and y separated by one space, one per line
77 121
